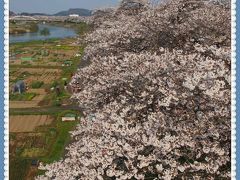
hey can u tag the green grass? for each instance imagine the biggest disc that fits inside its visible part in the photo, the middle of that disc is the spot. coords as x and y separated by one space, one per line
16 28
40 172
68 70
22 97
35 66
33 152
34 42
82 28
26 63
18 168
62 139
50 111
37 84
55 99
63 47
12 136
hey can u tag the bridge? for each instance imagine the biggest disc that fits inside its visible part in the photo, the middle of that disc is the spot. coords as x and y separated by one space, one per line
23 18
50 18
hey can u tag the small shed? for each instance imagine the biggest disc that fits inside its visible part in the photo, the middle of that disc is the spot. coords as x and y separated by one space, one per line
69 117
19 87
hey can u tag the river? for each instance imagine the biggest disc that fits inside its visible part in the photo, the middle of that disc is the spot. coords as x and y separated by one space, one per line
55 32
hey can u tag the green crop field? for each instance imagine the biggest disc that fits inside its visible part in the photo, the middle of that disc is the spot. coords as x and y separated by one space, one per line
22 97
18 168
37 84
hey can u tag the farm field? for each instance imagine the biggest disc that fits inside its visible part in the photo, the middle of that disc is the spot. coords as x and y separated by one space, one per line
40 94
35 74
51 78
36 129
52 53
28 123
37 137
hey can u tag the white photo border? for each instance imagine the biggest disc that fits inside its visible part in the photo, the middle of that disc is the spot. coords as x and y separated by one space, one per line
6 89
233 89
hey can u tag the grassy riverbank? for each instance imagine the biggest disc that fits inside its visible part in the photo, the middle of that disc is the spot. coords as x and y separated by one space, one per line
22 27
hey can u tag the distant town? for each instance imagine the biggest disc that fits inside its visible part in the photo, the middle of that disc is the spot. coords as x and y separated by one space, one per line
74 15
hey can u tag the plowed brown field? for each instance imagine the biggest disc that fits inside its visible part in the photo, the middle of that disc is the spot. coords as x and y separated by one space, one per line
28 123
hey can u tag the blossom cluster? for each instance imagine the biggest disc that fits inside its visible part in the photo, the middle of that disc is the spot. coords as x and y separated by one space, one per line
155 96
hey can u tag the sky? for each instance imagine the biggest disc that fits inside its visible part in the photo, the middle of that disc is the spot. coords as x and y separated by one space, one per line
54 6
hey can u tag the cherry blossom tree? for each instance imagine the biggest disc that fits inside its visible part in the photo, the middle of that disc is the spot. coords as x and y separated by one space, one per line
155 96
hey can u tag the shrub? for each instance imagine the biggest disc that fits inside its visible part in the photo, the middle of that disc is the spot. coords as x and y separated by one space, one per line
37 84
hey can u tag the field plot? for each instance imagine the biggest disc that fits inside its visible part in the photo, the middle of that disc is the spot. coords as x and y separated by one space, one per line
41 93
29 104
46 76
36 74
28 123
23 104
49 54
39 70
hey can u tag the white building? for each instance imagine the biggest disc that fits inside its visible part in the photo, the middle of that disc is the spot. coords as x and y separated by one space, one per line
74 15
68 119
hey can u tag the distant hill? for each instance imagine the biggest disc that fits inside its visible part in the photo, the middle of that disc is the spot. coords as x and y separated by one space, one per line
11 13
34 14
79 11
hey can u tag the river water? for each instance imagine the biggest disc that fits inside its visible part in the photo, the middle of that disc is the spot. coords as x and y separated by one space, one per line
55 32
